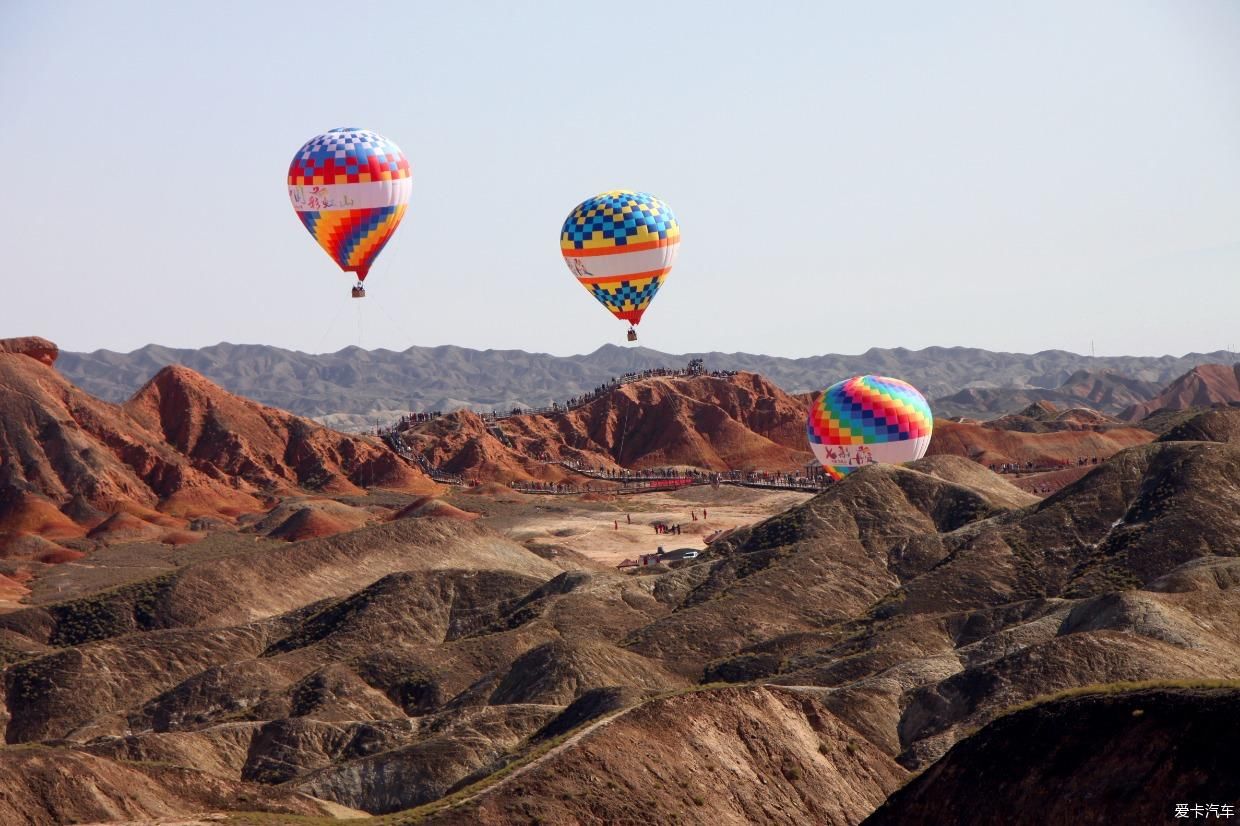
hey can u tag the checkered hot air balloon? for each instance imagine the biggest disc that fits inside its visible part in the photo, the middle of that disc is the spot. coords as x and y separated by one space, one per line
621 245
868 419
350 187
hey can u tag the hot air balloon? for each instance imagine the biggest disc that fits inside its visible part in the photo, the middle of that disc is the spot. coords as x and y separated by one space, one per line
350 187
621 245
868 419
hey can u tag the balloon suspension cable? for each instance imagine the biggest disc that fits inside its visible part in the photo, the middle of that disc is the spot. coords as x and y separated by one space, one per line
624 430
327 330
401 330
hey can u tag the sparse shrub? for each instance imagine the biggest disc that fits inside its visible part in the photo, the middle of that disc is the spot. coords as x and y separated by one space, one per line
110 613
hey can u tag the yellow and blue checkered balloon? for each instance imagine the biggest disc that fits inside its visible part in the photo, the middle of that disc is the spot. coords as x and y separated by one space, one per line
621 245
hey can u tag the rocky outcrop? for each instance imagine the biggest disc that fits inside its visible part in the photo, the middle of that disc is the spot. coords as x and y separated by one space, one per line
39 349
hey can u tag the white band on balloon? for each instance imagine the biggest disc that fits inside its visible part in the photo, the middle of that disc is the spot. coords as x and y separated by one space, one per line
855 456
319 197
622 263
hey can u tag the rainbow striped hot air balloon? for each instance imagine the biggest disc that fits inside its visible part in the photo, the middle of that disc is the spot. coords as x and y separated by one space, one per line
868 419
350 187
621 245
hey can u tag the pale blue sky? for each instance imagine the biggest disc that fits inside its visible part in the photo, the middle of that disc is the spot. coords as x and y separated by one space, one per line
1016 176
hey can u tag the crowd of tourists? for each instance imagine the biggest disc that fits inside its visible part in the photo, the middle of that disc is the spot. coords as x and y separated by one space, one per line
549 487
1043 466
694 368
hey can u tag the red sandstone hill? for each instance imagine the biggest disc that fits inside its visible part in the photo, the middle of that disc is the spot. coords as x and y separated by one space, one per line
233 438
1040 433
991 445
462 443
741 422
1203 386
1045 417
724 423
180 448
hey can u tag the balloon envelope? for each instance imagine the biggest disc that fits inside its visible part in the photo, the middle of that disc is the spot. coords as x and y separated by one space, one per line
621 245
868 419
349 187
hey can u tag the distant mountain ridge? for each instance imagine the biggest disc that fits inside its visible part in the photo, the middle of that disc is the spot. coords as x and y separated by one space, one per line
1203 386
353 385
1104 390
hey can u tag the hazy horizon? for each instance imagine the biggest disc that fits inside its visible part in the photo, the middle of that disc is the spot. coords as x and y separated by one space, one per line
1229 353
1017 179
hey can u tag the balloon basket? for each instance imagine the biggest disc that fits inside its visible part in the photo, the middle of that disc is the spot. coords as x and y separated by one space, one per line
359 291
632 334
